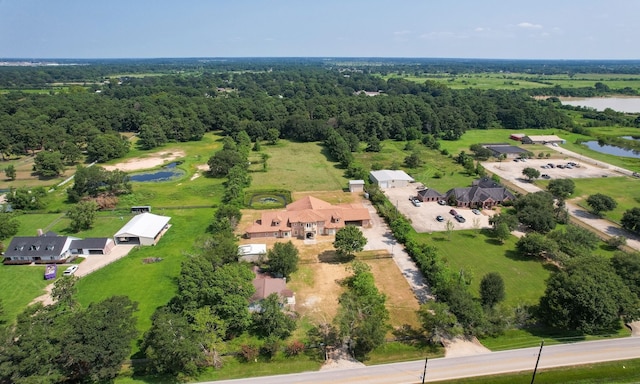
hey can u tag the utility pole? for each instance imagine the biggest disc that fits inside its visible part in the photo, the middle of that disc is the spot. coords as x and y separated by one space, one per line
424 373
537 361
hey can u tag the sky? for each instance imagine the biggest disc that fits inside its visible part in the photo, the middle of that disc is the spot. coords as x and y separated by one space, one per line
499 29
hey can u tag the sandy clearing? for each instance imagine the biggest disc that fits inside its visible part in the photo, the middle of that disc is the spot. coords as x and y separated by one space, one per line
464 347
200 168
152 161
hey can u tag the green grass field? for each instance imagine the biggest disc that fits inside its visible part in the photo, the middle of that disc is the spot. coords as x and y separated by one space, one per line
151 285
616 372
299 167
624 190
477 255
515 81
20 284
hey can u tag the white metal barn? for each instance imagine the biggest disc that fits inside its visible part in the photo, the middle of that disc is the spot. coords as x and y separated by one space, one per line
390 178
143 229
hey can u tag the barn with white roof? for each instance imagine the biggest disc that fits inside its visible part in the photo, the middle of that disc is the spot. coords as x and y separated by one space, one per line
143 229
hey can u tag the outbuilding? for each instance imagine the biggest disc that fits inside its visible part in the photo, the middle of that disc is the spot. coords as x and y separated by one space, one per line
92 246
386 178
543 139
356 185
143 229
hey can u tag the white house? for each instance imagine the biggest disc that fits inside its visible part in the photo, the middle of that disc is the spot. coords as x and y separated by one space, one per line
143 229
390 178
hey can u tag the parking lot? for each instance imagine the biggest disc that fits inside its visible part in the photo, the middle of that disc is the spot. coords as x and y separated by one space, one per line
512 170
423 218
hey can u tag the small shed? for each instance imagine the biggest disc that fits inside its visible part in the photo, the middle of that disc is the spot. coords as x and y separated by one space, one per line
251 252
140 208
356 185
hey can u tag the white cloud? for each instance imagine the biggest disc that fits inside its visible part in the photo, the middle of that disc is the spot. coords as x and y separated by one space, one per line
528 25
401 33
442 35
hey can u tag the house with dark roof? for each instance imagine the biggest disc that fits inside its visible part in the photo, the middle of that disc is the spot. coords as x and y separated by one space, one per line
429 194
484 193
46 249
92 246
508 150
307 218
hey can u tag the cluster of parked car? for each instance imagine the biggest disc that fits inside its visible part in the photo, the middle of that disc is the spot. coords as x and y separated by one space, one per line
457 216
569 165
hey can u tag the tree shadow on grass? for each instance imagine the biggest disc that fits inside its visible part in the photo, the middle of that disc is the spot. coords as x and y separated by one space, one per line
333 257
406 334
493 241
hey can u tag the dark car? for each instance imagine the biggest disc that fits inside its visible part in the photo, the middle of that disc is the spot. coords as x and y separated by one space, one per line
439 218
453 212
442 202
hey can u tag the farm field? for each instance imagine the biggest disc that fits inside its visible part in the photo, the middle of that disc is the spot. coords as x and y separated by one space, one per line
515 81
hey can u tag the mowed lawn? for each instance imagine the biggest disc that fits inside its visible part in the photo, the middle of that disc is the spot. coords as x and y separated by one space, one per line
20 284
477 255
151 285
298 167
624 190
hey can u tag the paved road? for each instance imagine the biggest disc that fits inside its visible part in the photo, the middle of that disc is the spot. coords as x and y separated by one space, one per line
459 367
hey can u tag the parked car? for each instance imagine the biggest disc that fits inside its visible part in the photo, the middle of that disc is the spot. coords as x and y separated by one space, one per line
475 211
551 165
554 144
442 202
453 212
70 271
460 219
545 176
439 218
416 202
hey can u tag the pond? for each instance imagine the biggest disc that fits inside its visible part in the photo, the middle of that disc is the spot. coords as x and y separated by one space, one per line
620 104
166 173
612 149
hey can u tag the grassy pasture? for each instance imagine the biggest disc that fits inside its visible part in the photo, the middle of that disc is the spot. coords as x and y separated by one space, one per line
151 285
515 81
618 372
524 278
20 284
299 167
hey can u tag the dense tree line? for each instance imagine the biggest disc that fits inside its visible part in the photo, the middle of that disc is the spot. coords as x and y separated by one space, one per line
299 104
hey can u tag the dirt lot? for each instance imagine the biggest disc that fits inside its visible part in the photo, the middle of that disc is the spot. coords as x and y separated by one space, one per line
317 281
512 171
423 218
152 161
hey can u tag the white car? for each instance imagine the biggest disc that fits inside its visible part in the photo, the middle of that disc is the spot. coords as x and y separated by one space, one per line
70 271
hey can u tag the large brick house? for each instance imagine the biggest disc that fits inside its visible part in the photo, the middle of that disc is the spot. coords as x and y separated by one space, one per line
307 218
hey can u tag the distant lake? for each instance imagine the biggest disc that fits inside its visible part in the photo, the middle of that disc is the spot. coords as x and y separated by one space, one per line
612 149
620 104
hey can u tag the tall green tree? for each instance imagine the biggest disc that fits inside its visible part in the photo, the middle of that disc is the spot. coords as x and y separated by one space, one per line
601 203
362 316
270 321
631 219
100 340
10 172
531 173
438 321
561 188
48 164
82 215
627 266
491 289
536 211
283 259
171 345
349 240
588 296
9 225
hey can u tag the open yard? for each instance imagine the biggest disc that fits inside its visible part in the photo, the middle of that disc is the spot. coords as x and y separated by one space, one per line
479 254
298 167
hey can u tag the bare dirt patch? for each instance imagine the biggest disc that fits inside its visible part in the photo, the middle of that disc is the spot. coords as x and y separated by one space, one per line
464 347
151 161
